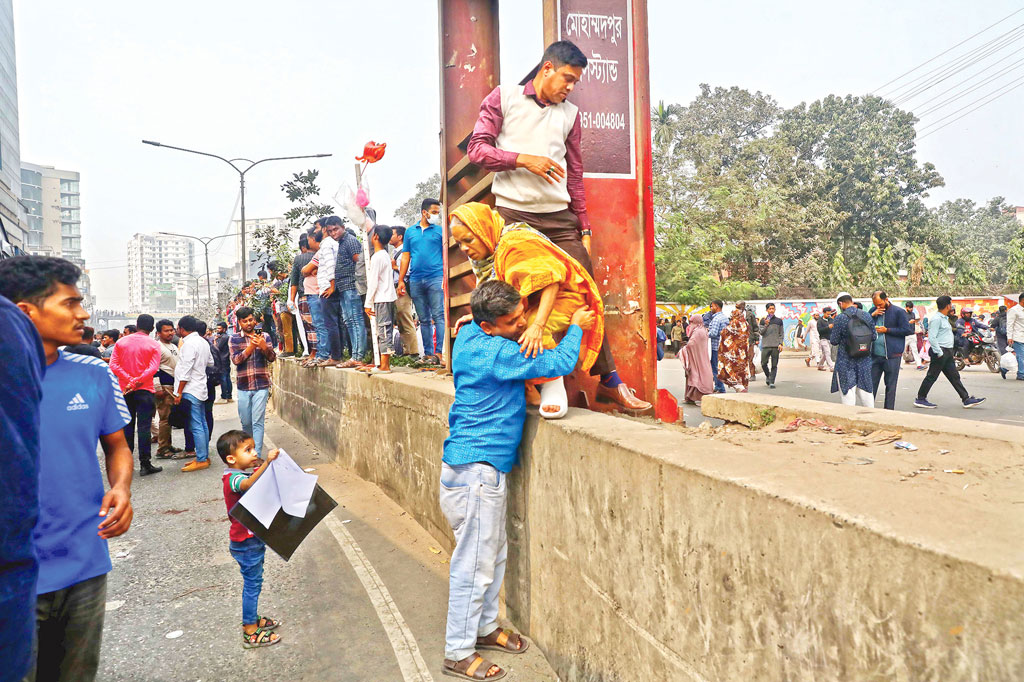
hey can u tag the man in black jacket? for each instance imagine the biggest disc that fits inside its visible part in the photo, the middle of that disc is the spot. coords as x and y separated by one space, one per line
222 357
772 335
892 326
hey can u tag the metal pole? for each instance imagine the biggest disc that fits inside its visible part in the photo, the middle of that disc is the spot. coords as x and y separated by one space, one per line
245 254
206 254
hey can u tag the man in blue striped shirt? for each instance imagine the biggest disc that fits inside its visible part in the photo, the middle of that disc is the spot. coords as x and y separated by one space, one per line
485 430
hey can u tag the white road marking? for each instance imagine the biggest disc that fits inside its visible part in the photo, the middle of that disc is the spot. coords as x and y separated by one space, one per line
410 661
414 668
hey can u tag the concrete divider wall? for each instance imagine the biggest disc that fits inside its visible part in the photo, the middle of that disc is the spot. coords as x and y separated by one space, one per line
639 552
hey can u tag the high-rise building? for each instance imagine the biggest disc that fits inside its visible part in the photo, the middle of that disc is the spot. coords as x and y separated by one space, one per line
155 263
12 237
253 227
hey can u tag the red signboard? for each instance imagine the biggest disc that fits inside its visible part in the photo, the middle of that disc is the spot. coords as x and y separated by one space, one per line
603 30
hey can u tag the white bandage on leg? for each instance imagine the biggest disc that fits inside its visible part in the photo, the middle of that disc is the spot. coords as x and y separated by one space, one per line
553 393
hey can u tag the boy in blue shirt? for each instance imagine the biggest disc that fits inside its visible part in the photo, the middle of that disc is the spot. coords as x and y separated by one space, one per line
485 429
81 406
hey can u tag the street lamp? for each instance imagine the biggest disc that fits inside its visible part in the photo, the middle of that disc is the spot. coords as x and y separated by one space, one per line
206 252
241 179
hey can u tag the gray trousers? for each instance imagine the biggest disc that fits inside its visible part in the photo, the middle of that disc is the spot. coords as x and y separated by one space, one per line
383 312
69 627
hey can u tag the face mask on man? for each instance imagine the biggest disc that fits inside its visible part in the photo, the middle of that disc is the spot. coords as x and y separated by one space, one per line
434 218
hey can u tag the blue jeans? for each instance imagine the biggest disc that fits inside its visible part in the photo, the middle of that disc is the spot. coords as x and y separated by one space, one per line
474 499
719 386
197 423
252 408
225 385
1018 350
352 310
323 340
428 297
249 555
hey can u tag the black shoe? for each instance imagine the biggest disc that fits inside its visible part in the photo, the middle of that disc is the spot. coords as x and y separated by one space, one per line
147 469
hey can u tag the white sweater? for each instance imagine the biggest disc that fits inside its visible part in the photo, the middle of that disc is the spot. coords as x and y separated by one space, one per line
380 282
540 131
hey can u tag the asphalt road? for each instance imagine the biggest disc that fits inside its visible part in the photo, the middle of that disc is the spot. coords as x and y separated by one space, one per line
1004 404
363 598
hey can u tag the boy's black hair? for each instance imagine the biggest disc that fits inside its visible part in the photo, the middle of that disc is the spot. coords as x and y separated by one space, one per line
112 333
88 334
493 299
163 323
383 233
333 220
131 328
943 301
400 231
33 279
303 241
189 324
243 312
222 323
144 322
202 328
561 53
428 202
229 441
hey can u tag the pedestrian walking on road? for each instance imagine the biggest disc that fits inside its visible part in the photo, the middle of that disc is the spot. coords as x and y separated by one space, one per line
82 407
853 332
697 362
252 353
1015 334
238 451
678 336
825 324
485 430
941 338
812 342
716 320
911 341
194 357
135 361
733 358
772 334
892 329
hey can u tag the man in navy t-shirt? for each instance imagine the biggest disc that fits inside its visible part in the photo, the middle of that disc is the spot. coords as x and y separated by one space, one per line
82 406
21 378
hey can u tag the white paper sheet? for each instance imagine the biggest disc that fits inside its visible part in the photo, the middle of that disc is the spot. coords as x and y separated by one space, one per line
284 485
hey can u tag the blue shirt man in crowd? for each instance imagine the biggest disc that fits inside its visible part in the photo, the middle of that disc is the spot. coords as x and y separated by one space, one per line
423 262
81 407
21 379
716 320
941 341
485 430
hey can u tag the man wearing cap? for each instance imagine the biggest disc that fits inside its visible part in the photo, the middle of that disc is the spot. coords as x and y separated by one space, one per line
825 324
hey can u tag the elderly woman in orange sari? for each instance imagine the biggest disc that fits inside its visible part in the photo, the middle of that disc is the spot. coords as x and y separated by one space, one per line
552 283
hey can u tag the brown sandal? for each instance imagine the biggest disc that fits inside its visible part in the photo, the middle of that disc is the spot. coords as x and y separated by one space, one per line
259 637
502 640
474 667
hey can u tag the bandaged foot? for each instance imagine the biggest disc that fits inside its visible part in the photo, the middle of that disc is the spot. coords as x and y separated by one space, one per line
554 402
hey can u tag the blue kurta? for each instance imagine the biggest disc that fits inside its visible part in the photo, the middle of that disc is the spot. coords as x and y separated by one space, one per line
849 371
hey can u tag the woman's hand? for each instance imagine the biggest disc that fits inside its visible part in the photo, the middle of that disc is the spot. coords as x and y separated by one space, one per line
532 340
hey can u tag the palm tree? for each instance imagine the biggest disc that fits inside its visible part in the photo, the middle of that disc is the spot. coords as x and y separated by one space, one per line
662 118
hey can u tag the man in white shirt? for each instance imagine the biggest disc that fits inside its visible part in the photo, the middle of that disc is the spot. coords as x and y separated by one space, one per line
1015 334
330 300
194 357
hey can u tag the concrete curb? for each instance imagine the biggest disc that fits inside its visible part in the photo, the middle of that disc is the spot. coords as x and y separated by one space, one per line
744 408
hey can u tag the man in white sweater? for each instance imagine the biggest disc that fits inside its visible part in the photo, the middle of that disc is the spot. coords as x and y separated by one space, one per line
1015 334
529 135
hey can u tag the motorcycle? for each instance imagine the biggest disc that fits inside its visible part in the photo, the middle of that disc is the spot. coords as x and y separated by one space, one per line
980 349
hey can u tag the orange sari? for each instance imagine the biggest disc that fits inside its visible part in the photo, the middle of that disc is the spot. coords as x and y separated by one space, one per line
529 261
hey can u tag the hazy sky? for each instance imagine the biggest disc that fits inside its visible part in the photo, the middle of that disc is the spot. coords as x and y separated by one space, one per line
263 78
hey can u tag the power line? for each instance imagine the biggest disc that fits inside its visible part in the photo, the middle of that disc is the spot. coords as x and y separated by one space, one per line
956 66
1019 82
967 80
947 51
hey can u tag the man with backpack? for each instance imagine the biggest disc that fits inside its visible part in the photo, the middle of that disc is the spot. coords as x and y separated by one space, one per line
853 334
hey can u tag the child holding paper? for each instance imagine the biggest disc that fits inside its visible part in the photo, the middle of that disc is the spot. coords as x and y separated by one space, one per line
238 450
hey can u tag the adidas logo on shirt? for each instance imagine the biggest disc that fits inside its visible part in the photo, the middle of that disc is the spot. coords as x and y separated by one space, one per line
77 403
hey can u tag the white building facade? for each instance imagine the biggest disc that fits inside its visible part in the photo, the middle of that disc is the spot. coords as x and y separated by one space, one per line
12 236
156 262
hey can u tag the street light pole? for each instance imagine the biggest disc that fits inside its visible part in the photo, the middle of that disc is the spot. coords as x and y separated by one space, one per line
206 249
241 181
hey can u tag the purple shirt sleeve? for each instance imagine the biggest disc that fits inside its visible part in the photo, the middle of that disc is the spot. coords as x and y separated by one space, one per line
574 173
481 147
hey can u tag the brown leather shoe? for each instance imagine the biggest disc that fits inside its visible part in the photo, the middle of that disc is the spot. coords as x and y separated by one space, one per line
350 364
623 396
328 363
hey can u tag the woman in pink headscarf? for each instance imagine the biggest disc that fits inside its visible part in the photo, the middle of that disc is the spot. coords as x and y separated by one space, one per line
696 359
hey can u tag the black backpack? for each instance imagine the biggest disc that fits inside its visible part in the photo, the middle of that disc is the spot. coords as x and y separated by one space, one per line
859 337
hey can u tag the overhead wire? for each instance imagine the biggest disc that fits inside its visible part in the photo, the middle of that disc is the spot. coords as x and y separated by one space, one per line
947 51
960 94
998 94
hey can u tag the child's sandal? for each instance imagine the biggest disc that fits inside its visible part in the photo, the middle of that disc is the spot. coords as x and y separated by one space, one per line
258 638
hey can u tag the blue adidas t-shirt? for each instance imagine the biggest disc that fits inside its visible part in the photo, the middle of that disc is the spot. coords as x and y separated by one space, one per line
81 402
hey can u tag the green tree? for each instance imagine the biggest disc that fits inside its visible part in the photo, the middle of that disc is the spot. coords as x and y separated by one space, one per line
409 212
838 276
960 229
866 148
936 270
303 191
970 276
1015 264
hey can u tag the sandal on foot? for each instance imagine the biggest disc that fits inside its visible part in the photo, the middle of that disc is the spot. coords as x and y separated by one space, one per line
259 637
504 640
268 624
473 667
